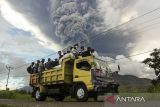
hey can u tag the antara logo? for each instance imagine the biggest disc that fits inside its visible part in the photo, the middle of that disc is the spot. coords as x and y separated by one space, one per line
114 99
130 99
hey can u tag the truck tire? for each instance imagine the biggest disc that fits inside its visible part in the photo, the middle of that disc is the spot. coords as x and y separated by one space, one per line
39 96
81 93
59 97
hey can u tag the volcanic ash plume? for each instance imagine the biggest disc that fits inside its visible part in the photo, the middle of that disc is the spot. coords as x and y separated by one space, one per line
75 20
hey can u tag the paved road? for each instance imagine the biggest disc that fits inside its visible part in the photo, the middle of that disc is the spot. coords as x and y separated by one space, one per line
27 103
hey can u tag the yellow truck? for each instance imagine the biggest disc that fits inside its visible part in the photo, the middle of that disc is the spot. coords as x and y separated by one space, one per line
80 78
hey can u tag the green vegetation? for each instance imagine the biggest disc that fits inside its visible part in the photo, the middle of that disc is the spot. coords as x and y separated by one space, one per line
154 89
14 95
132 89
146 96
123 89
154 62
150 93
6 106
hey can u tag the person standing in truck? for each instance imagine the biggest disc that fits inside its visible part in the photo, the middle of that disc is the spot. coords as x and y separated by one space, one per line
41 68
74 51
48 65
81 51
87 52
93 53
42 65
76 46
36 66
30 68
60 54
56 63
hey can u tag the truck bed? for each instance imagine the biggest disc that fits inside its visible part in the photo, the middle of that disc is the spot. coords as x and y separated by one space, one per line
48 77
62 74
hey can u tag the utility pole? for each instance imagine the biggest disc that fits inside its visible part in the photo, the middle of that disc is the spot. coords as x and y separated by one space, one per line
9 70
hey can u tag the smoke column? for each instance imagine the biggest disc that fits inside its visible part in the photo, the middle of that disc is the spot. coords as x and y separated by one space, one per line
75 20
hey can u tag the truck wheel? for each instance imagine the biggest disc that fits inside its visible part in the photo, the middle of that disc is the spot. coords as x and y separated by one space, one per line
81 93
39 96
59 97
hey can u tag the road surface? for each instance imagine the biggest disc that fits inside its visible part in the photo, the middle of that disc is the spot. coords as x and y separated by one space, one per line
31 103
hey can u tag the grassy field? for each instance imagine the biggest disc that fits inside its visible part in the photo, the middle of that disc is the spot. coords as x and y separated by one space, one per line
122 89
6 106
133 89
14 95
149 93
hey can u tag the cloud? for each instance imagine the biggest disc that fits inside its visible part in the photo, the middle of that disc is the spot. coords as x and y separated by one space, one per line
20 43
19 21
12 60
37 12
23 45
143 34
113 12
129 67
113 43
132 67
18 47
13 83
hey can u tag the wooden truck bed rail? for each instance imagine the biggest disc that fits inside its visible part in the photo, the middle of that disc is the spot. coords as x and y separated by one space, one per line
48 77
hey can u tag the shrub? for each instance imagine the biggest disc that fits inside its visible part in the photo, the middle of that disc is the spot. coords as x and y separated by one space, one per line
154 88
7 95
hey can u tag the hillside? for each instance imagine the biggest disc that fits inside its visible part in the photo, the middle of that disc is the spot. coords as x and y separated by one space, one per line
130 80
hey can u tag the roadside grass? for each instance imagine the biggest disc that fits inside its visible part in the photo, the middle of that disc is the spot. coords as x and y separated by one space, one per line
146 96
1 105
14 95
154 89
133 89
149 93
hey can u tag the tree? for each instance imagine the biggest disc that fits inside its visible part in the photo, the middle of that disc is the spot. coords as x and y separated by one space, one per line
154 62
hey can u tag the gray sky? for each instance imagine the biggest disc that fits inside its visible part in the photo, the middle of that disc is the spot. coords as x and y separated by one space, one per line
28 32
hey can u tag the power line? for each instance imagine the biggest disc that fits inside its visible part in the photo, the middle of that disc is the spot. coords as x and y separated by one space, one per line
148 26
136 55
98 37
94 39
26 64
21 76
3 72
127 56
110 60
99 59
147 21
82 41
110 29
144 29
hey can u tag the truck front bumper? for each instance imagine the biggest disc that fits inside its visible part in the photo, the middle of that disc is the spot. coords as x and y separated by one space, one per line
110 88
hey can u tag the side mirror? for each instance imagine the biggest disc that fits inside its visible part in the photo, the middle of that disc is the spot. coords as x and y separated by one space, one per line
119 68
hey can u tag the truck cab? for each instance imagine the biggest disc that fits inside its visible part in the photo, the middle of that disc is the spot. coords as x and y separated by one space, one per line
80 78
